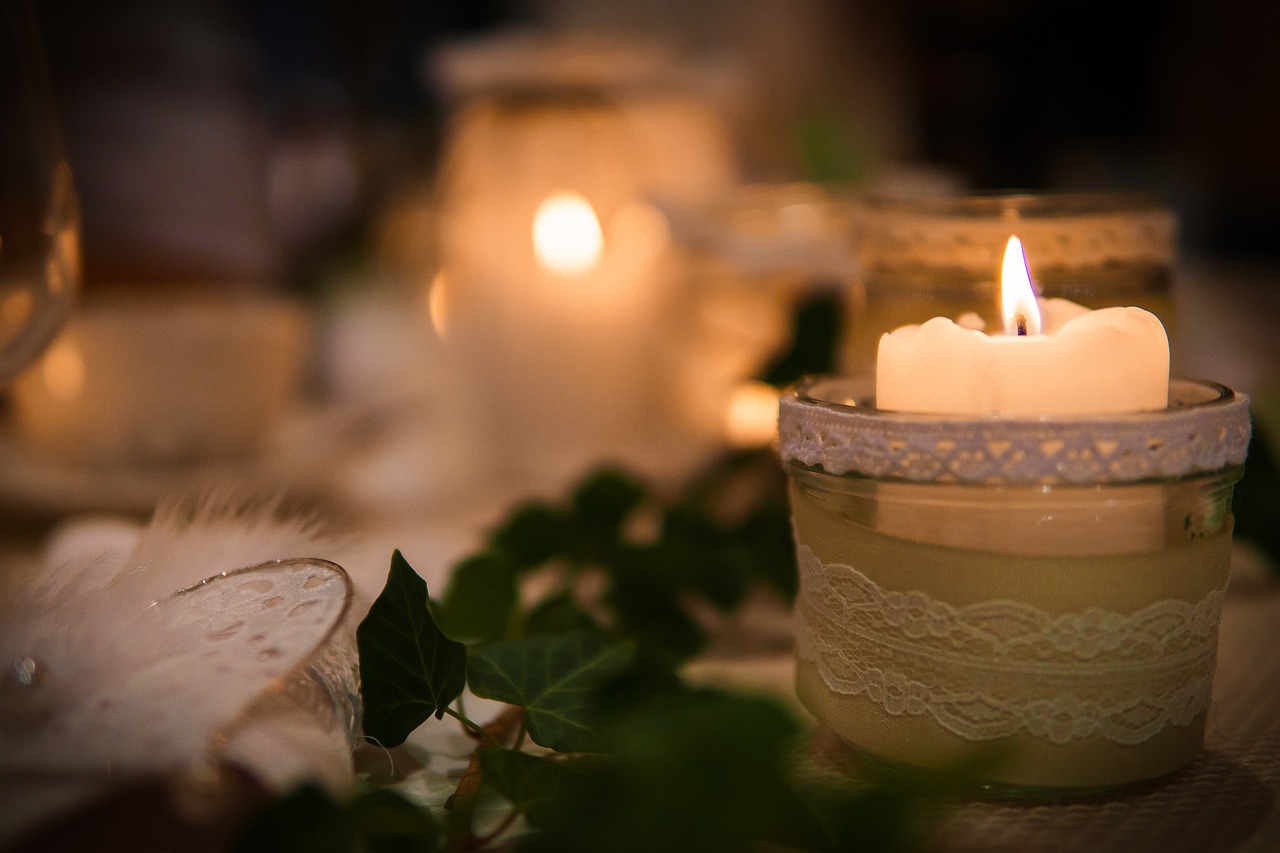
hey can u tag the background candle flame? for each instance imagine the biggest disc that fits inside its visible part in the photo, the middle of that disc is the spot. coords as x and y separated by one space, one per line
1017 298
567 237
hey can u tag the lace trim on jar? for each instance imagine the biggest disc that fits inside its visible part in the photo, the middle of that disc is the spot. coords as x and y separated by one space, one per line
826 424
1001 667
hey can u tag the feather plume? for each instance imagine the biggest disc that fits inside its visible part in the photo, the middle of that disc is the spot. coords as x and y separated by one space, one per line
112 670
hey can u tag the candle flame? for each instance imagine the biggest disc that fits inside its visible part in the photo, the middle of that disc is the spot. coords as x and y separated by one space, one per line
567 238
1017 298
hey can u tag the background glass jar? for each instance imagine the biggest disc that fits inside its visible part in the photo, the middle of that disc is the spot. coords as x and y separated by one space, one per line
922 258
1046 590
552 248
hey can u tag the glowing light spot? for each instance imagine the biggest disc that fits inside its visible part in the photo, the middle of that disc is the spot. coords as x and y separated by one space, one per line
751 419
438 304
567 238
63 370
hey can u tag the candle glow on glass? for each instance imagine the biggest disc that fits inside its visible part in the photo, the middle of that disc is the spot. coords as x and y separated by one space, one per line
437 304
567 238
63 370
751 418
1020 312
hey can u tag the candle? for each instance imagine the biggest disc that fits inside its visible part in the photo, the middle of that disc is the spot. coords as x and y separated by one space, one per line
1020 543
956 594
1070 360
1055 357
554 249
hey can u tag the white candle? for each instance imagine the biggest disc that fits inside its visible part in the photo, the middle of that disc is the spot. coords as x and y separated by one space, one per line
1069 361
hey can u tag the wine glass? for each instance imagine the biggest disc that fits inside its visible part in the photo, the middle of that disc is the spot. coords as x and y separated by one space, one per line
39 209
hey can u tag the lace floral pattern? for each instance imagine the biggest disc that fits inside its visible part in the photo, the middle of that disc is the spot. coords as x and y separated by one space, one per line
998 668
818 426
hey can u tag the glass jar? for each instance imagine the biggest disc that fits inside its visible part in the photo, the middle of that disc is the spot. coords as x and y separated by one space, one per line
552 248
1045 589
922 258
742 264
39 208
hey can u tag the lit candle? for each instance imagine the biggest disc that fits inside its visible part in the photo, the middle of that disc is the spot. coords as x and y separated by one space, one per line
956 593
1065 359
559 303
989 555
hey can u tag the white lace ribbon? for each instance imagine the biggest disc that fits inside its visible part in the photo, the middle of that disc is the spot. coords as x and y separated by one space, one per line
821 424
998 668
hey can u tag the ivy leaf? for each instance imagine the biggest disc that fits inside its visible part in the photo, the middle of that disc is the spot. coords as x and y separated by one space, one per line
386 821
649 611
558 613
604 500
766 540
553 678
537 786
307 819
815 338
532 534
478 602
409 670
691 771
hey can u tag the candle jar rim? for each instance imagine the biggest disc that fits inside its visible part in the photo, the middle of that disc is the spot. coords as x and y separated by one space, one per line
831 423
1021 204
1062 232
318 671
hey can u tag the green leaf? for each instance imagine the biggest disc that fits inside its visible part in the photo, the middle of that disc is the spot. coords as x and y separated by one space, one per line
532 534
694 554
691 771
553 679
409 670
307 820
815 340
649 612
604 500
388 823
765 537
479 599
539 787
558 613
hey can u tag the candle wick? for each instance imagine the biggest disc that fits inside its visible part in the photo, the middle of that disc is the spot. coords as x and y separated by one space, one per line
1021 320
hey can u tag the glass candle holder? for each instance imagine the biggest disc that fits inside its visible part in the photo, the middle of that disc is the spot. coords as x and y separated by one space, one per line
253 668
741 263
551 246
1046 588
921 258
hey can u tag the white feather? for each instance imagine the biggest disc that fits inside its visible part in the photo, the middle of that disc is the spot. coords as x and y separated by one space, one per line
123 676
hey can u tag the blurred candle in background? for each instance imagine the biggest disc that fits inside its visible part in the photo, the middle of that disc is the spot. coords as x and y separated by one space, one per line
552 244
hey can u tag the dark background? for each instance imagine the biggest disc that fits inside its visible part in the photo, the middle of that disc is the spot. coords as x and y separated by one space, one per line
177 114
